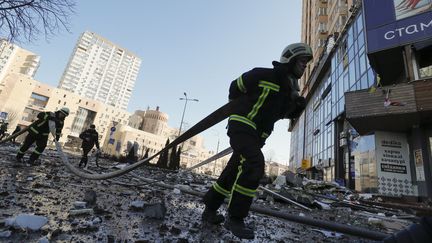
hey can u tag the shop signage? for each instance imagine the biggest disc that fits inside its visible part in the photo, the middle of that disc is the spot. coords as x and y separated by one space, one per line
393 166
305 164
396 23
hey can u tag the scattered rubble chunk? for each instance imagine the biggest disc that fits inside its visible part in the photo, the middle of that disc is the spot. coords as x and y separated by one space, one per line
280 181
155 211
79 204
43 240
81 211
5 234
329 234
90 197
27 221
137 205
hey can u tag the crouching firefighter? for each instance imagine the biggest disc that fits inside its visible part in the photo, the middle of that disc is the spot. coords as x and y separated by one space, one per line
90 139
39 132
265 95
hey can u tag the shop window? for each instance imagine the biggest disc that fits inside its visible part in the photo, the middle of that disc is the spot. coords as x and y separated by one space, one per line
343 54
362 64
423 51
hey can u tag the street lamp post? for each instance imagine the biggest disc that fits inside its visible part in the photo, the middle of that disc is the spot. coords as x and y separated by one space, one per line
217 151
186 99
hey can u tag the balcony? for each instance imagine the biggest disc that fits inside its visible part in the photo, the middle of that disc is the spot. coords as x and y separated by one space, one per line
409 104
342 8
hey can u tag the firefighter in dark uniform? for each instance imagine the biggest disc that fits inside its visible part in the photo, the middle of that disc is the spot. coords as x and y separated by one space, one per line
17 129
39 131
3 129
90 138
265 95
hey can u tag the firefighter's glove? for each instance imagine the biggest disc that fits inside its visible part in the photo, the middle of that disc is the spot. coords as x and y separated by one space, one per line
296 108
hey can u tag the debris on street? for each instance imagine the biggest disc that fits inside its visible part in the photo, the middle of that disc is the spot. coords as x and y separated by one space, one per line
59 206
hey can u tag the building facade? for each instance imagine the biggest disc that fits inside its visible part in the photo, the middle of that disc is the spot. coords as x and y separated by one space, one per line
150 131
23 98
368 115
101 70
14 59
321 20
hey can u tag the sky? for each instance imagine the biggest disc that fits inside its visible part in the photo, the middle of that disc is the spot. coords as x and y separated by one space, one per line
193 46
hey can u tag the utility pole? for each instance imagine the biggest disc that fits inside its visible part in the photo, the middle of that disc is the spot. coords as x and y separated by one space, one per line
186 99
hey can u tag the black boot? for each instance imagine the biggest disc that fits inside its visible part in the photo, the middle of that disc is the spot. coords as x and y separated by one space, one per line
81 162
238 228
212 217
32 162
19 161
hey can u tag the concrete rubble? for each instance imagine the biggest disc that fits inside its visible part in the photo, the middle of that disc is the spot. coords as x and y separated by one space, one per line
79 210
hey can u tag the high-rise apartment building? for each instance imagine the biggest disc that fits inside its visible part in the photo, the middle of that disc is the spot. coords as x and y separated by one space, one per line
14 59
101 70
322 20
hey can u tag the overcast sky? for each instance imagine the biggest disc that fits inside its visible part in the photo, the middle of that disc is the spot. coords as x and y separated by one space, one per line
191 46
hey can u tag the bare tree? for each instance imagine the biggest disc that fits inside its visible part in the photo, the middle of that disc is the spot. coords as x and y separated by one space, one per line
27 19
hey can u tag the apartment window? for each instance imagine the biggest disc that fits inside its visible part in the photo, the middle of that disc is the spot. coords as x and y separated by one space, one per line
38 100
322 27
320 43
322 11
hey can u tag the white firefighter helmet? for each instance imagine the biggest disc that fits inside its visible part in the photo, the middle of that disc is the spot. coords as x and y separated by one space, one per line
295 50
65 111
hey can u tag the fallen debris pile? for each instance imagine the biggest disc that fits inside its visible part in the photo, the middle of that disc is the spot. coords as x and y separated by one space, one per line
368 209
128 208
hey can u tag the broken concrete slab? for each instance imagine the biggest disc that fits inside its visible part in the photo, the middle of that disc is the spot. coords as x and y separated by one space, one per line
27 221
79 204
81 211
155 211
329 234
137 205
280 181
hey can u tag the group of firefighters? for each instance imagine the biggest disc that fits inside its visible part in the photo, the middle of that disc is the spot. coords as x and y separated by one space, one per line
39 130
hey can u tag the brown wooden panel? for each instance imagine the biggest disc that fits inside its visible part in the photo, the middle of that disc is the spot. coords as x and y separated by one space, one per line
364 104
423 93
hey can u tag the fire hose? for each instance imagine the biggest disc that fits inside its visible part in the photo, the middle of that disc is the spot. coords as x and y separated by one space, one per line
209 121
15 135
333 226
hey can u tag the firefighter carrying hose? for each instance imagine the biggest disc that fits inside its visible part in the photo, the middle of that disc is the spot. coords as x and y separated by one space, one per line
39 131
90 138
266 96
